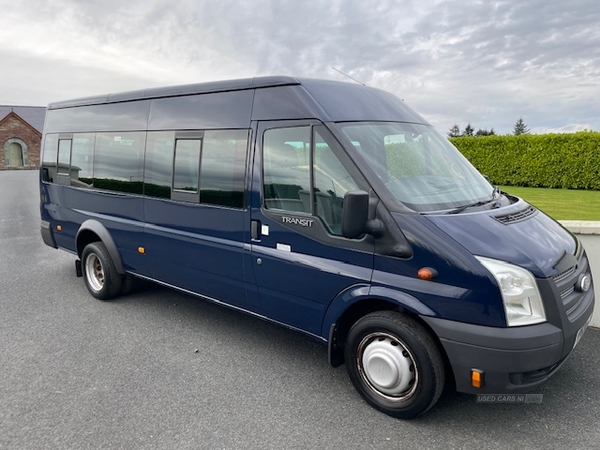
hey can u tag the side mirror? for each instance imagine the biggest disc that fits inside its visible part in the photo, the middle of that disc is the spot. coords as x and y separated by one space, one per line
355 214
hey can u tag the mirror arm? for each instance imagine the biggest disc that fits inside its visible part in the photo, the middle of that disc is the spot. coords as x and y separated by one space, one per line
375 228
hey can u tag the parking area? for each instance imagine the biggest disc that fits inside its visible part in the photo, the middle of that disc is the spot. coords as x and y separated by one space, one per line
161 370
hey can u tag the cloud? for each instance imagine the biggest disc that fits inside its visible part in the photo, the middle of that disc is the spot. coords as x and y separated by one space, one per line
487 63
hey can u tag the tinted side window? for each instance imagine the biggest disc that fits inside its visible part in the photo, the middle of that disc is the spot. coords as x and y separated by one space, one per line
118 162
223 167
64 155
286 169
187 164
64 161
158 171
49 157
82 157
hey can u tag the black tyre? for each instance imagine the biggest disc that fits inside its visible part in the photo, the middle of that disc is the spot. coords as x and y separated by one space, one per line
129 284
394 363
101 278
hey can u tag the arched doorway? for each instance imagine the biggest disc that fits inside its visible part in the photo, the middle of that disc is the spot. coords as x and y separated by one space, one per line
15 155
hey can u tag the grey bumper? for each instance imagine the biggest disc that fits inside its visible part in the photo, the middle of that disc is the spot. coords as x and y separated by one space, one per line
47 234
514 360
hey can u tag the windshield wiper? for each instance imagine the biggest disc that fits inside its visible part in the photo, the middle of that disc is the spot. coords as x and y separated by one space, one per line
469 205
495 194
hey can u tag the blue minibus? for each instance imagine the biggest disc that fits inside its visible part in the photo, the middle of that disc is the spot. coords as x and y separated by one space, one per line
327 207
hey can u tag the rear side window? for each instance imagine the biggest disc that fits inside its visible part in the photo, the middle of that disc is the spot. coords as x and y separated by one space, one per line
118 161
222 177
82 157
192 166
68 159
64 155
158 175
187 164
204 166
49 157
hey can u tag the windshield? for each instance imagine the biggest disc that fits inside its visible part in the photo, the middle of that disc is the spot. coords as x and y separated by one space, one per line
419 166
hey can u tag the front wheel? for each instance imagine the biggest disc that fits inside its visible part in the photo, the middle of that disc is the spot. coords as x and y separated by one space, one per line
99 272
394 363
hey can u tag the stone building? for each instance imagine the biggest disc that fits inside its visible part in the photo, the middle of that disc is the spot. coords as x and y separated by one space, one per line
21 135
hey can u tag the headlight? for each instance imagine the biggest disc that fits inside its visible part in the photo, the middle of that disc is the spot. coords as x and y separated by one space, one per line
522 300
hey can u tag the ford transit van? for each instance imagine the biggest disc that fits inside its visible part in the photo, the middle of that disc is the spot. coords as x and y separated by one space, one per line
330 208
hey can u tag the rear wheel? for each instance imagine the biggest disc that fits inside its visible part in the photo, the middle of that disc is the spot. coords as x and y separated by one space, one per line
99 272
395 364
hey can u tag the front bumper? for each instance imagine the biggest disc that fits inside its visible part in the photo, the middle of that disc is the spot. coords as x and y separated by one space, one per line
517 359
513 360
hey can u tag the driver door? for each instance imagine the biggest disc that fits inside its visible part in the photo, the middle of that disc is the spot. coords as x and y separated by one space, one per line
300 260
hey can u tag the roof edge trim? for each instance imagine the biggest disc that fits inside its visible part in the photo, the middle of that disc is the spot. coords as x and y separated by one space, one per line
181 90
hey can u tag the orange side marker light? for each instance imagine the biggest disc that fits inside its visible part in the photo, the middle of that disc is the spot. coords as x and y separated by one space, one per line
477 378
427 273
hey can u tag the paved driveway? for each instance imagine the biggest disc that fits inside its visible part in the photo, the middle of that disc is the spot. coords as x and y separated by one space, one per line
162 370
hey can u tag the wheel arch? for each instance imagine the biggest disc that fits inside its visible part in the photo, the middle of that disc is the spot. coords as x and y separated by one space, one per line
358 301
91 231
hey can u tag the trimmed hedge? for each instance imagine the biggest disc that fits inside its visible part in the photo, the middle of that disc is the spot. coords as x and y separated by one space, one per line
568 161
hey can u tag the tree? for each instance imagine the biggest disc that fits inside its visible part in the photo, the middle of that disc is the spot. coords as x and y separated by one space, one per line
520 128
469 130
454 131
485 132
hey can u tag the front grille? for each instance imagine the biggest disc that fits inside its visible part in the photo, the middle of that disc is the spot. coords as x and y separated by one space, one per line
565 283
518 216
575 306
564 294
564 275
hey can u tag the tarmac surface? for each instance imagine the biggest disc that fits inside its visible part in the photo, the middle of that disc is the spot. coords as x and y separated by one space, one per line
162 370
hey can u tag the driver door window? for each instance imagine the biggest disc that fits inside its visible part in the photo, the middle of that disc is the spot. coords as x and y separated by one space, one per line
303 175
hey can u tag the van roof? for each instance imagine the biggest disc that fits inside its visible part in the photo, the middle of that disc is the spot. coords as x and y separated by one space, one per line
290 98
173 91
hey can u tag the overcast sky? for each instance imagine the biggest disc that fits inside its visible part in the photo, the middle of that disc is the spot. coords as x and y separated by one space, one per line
484 62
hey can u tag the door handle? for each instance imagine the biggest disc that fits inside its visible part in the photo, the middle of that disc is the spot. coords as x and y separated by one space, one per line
255 230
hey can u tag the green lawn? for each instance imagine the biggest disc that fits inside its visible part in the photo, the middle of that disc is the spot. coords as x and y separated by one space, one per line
561 204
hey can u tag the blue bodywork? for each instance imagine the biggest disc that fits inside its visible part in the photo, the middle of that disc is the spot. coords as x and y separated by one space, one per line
294 278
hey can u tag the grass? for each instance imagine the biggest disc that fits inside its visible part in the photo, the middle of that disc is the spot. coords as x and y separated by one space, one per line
561 204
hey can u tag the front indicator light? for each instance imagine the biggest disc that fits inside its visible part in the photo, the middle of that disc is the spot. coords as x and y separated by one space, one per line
477 378
427 273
